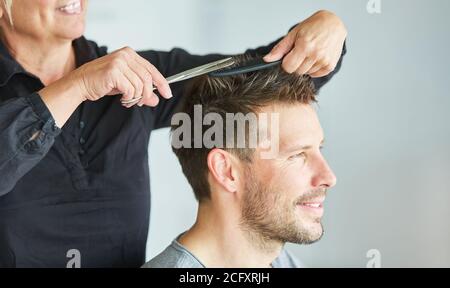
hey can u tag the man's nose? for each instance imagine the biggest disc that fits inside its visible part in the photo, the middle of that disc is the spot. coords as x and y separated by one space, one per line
323 176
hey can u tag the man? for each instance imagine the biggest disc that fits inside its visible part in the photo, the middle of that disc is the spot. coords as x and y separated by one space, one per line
251 202
73 161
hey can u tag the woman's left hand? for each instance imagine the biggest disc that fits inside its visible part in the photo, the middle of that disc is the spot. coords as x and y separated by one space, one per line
313 47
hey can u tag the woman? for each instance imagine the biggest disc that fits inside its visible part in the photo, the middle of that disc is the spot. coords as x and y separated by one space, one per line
73 160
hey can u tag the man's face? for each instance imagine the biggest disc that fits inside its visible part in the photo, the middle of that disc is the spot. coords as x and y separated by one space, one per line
283 196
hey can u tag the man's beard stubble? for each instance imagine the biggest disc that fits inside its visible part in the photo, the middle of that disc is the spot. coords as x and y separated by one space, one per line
269 218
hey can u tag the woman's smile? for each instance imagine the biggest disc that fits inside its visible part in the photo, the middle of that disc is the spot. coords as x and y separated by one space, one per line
71 8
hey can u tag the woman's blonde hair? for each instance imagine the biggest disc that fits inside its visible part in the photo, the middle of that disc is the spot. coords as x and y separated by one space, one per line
8 6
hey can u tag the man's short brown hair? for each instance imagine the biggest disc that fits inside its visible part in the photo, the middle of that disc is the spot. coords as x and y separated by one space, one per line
243 93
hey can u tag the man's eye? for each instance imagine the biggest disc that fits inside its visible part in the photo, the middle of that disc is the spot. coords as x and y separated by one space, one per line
297 156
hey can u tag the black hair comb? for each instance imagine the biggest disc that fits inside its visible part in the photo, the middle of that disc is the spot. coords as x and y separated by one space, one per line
247 67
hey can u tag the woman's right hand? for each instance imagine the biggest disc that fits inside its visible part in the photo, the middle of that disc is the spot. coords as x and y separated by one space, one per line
121 72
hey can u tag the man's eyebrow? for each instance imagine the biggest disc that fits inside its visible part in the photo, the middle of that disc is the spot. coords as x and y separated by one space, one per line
300 147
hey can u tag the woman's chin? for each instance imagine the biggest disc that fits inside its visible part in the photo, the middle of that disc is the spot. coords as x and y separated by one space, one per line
71 33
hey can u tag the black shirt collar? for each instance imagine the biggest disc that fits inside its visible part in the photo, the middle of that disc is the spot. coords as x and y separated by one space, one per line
8 65
85 51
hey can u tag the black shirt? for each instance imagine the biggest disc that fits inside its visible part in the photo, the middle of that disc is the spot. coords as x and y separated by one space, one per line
85 186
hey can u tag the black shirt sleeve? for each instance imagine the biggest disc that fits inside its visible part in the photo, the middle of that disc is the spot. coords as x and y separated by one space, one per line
178 60
27 131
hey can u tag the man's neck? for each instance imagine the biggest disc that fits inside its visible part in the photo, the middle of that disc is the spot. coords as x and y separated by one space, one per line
218 240
48 60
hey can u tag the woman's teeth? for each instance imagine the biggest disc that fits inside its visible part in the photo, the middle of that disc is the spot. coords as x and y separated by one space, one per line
72 8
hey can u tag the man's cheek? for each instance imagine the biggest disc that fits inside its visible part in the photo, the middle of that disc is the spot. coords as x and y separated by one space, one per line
295 180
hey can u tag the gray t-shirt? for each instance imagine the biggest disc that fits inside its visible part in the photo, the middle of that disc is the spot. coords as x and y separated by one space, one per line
177 256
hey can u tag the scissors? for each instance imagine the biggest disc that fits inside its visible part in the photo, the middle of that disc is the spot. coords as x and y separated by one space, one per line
191 73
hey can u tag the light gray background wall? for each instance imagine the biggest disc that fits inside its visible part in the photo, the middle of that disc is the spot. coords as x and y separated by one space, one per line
385 116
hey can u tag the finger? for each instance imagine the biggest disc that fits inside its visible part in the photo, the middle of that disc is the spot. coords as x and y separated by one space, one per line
281 49
158 79
120 81
293 60
144 84
113 92
321 73
147 98
136 82
307 64
145 77
327 68
124 87
151 101
318 66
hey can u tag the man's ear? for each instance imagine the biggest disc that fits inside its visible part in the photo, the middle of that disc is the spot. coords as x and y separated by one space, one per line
222 167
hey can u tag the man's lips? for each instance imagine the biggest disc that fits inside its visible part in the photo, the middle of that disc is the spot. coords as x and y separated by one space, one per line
312 201
313 206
